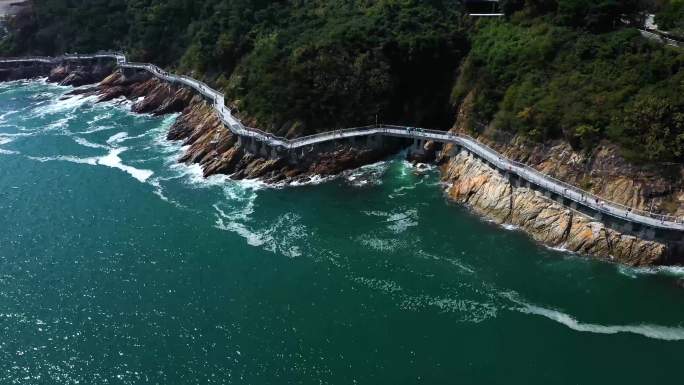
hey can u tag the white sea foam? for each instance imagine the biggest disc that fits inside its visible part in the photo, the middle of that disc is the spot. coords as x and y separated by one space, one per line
3 117
647 330
467 310
234 215
407 188
66 104
159 191
253 238
104 116
400 222
418 168
113 160
95 129
59 125
63 158
471 311
194 175
310 181
383 285
370 174
363 176
462 266
117 138
650 331
382 244
5 140
86 143
634 272
563 249
233 221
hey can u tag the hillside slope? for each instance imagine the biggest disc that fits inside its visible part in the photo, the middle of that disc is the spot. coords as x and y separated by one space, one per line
552 74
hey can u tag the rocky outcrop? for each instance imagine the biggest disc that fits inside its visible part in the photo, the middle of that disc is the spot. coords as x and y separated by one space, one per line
214 147
488 193
77 74
604 171
12 72
67 74
209 144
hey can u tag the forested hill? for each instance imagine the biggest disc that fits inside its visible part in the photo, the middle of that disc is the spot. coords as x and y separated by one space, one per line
550 69
323 63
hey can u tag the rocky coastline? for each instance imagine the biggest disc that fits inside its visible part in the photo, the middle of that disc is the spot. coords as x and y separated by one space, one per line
604 172
488 193
204 136
468 180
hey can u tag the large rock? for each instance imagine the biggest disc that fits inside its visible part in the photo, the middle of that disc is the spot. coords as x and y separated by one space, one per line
77 79
58 74
488 193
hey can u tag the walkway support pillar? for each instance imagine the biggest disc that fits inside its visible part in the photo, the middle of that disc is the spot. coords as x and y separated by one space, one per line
252 146
647 233
263 151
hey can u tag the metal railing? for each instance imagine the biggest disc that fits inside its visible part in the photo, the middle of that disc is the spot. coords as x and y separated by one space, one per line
661 38
523 171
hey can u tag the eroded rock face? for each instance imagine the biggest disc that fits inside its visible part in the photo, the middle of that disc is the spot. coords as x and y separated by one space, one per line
76 75
216 149
488 193
67 74
58 74
604 172
472 182
213 146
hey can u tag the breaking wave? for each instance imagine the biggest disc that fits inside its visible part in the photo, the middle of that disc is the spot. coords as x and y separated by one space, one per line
665 333
113 160
635 272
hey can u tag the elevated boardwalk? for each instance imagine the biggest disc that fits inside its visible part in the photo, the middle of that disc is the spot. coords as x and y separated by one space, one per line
660 37
632 220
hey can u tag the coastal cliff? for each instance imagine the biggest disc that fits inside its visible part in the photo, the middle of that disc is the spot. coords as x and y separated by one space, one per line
488 193
471 181
604 172
208 143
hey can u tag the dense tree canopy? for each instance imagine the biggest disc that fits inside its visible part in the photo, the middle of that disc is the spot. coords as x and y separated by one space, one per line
322 63
671 17
550 69
549 82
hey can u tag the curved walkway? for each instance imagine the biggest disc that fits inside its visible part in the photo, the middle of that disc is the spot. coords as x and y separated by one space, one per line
548 183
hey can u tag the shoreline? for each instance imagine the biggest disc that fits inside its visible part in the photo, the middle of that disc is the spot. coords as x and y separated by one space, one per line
218 151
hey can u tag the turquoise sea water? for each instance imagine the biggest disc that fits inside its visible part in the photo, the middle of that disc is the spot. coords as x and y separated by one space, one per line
119 266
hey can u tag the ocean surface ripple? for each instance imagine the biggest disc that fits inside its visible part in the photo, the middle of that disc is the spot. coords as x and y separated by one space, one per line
119 265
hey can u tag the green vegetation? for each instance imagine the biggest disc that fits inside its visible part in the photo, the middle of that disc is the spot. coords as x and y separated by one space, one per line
552 69
546 78
322 64
671 17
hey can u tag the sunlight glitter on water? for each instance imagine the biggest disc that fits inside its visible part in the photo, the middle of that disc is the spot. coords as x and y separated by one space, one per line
120 265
